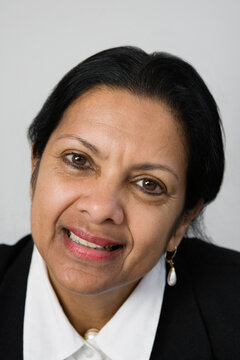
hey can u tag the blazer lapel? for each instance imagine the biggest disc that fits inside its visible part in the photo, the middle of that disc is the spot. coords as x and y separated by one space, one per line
181 332
12 302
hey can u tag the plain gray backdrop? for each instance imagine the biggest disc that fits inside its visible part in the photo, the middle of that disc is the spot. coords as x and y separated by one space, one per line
41 40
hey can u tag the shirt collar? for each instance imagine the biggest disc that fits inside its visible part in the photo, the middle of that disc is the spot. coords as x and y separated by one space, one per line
135 323
48 333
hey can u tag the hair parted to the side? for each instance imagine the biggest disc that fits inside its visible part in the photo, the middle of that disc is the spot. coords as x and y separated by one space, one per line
158 75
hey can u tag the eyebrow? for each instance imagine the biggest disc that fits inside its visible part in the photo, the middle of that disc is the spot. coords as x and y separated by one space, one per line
152 166
137 167
83 142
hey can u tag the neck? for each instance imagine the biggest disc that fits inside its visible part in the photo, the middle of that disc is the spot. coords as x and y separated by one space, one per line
91 311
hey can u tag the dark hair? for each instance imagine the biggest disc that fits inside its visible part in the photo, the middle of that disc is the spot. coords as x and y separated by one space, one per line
158 75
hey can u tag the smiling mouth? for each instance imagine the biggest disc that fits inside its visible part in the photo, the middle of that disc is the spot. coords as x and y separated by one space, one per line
78 240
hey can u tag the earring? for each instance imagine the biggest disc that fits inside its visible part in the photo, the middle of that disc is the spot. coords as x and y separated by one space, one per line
172 277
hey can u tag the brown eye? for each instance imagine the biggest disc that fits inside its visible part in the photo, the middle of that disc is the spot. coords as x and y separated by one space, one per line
150 186
77 160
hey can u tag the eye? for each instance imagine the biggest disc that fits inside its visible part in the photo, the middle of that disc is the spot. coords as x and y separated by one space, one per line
150 186
76 160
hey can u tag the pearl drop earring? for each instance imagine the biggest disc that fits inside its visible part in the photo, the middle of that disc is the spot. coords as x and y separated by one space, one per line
172 276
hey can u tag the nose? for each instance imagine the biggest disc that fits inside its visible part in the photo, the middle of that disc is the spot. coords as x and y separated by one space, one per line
102 204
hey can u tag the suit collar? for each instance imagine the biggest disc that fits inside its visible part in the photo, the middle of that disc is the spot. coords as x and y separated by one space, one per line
181 331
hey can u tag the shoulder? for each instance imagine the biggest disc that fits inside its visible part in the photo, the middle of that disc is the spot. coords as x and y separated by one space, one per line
14 268
214 275
214 270
202 252
9 254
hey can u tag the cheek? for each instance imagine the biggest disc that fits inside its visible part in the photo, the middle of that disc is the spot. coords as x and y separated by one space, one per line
151 222
150 229
51 198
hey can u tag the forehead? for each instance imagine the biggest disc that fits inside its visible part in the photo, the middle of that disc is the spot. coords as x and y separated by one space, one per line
118 118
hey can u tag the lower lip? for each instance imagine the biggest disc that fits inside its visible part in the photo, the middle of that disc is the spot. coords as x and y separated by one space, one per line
88 253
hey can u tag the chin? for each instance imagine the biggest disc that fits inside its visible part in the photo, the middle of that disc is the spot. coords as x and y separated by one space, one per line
82 284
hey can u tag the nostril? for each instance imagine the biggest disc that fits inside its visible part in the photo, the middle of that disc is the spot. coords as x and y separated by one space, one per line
109 220
101 207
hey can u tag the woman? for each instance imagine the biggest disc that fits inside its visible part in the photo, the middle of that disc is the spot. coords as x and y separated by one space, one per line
126 152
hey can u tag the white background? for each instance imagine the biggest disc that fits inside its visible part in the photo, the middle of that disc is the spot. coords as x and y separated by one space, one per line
41 40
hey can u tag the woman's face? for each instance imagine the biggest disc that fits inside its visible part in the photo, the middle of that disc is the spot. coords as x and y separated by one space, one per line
110 191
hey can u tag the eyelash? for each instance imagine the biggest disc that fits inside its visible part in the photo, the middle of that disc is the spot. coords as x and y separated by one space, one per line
155 182
76 166
89 167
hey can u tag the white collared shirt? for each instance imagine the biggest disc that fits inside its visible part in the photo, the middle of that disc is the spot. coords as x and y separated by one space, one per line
128 335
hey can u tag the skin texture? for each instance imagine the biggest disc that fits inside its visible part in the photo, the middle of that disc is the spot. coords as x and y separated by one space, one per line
106 198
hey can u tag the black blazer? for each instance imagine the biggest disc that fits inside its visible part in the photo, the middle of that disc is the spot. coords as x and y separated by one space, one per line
200 316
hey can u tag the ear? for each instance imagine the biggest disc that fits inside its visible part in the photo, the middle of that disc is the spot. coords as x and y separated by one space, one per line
183 225
35 161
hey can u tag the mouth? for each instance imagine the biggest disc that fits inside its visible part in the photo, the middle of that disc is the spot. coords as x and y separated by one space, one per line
92 244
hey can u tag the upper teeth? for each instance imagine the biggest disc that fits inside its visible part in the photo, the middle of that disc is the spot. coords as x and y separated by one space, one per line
81 241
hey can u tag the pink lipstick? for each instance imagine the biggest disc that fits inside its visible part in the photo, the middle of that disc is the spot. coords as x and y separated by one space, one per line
90 247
